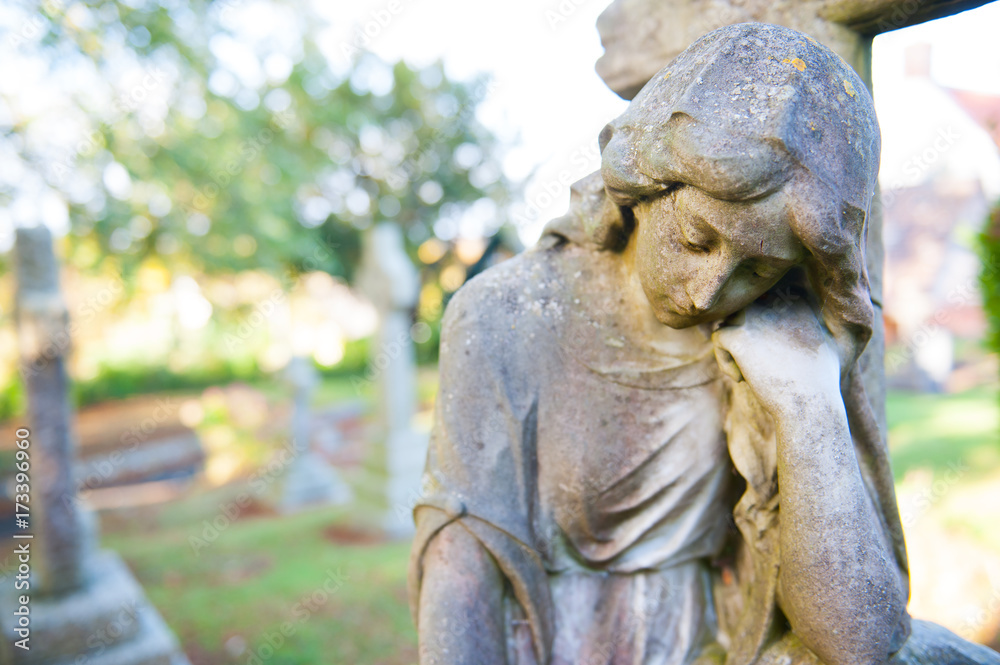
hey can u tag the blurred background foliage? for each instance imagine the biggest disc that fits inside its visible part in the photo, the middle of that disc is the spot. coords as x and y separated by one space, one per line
227 155
989 279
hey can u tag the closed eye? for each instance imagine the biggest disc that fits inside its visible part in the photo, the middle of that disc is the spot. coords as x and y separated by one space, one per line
693 239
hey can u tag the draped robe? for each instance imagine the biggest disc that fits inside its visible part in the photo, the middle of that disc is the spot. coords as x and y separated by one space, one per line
594 454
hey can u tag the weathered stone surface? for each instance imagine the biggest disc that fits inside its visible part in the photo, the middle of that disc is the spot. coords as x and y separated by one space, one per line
170 456
82 604
930 644
387 278
106 621
653 442
43 338
640 36
310 481
872 17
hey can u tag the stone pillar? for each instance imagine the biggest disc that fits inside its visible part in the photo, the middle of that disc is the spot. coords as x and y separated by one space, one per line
43 333
387 278
85 606
310 480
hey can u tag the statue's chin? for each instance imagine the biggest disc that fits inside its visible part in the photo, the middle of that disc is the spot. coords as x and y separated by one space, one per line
680 321
666 310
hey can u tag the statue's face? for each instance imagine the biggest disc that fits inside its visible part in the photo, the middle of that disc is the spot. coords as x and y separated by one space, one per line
700 259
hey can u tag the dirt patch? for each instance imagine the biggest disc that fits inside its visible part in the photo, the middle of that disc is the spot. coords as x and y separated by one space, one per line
349 535
256 509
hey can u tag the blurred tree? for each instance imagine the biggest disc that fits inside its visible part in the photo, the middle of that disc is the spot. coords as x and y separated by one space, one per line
218 137
989 246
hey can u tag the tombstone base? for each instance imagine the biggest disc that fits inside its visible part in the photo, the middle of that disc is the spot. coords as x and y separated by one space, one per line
312 482
108 621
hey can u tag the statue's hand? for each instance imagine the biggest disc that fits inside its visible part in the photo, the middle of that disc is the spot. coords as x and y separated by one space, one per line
783 351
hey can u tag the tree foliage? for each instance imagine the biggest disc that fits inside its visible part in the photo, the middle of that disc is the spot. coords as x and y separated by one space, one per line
212 140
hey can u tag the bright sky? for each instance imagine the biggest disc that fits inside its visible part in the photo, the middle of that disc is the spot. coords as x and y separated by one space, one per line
547 93
924 132
549 96
547 99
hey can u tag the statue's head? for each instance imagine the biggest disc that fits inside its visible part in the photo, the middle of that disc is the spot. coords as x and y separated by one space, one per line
754 152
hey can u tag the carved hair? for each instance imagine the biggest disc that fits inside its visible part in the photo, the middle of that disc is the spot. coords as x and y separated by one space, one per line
745 111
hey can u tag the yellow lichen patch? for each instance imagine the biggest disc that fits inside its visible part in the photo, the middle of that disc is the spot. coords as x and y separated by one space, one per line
798 63
667 75
848 88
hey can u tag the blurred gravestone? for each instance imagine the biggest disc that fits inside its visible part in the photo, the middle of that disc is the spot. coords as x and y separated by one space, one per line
83 603
43 331
310 480
387 278
641 36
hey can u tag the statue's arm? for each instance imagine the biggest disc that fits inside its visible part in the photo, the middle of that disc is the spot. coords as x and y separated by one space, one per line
839 583
461 602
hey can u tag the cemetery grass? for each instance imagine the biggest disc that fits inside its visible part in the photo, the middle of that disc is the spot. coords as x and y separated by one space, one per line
947 448
228 592
930 431
227 598
337 589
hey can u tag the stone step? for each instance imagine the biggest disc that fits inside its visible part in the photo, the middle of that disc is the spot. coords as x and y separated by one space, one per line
107 622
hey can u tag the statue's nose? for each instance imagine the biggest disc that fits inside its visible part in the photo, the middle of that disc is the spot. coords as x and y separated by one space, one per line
703 300
704 292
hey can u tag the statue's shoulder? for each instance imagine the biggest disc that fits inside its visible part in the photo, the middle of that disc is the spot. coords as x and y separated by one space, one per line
491 325
569 269
500 296
525 304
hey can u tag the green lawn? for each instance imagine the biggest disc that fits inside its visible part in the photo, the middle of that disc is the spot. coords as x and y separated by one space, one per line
337 591
933 431
264 569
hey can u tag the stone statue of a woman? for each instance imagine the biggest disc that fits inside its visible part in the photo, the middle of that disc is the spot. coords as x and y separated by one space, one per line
652 442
